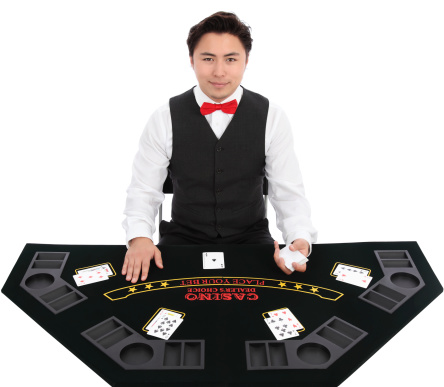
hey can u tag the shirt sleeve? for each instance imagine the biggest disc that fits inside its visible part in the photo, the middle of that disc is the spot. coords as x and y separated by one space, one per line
286 189
149 171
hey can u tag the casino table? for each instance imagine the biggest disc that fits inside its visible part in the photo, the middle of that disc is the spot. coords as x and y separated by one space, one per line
224 339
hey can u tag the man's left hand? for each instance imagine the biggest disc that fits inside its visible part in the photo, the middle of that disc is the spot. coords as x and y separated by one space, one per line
298 244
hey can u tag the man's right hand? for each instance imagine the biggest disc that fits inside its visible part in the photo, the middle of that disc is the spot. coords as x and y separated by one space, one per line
141 251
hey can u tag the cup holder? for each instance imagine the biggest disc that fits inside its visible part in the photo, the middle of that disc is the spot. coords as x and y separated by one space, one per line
136 354
405 280
39 281
313 353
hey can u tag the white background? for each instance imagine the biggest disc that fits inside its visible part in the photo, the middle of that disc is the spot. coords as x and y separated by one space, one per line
362 83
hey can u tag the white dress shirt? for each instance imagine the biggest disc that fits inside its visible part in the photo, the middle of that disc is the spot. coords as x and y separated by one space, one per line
285 188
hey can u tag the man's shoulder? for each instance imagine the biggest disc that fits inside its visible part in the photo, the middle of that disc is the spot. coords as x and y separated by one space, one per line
162 111
274 110
254 96
165 109
187 94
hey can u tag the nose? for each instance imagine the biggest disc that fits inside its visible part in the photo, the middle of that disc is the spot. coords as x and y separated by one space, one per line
219 69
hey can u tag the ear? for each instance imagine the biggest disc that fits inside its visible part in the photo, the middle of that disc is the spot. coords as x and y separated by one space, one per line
246 61
192 62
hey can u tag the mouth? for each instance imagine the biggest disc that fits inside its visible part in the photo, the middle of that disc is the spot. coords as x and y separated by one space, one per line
219 85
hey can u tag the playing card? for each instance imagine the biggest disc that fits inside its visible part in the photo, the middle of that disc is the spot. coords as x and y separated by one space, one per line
354 279
341 267
213 261
165 326
280 328
288 316
105 268
160 314
283 324
90 277
292 256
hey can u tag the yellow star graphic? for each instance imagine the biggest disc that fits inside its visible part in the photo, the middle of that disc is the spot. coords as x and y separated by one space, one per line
282 284
149 286
314 290
298 286
164 284
132 290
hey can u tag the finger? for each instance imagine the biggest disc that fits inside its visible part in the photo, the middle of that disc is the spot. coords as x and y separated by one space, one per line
276 246
158 258
136 271
301 245
301 268
281 265
297 246
129 272
145 269
125 265
276 252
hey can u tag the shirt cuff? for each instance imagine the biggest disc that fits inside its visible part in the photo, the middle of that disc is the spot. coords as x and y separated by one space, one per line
137 232
300 235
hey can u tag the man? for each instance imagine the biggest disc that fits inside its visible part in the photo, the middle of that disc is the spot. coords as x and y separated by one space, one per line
217 141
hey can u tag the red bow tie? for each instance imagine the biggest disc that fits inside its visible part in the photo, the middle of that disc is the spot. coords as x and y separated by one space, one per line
228 107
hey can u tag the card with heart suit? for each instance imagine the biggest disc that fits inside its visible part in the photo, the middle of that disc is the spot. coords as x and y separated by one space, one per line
281 330
90 277
356 279
292 256
93 274
342 267
105 267
213 261
283 324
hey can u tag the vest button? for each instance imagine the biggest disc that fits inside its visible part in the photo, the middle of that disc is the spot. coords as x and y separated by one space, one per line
219 227
219 170
219 149
218 209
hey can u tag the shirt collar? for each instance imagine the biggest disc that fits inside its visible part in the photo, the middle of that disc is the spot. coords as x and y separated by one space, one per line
201 97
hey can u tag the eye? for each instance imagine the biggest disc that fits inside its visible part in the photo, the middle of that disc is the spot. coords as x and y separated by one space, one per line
207 59
231 59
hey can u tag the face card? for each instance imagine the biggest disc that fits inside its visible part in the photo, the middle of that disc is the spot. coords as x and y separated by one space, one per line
213 261
292 256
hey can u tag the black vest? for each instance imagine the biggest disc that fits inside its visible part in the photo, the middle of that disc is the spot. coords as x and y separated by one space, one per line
218 183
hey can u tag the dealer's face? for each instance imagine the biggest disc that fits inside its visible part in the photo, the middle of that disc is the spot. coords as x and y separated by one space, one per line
219 61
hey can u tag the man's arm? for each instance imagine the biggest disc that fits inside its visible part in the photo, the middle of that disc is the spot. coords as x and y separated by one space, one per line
286 189
144 195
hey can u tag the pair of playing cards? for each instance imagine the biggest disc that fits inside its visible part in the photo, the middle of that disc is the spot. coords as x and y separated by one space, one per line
283 323
164 323
292 256
352 275
213 261
93 274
